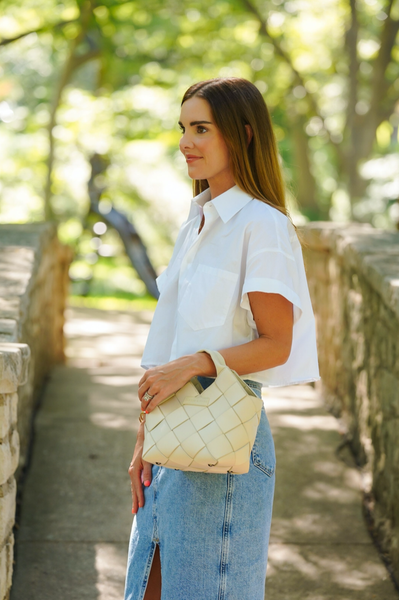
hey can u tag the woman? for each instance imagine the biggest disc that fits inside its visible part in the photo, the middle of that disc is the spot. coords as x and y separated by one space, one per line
236 283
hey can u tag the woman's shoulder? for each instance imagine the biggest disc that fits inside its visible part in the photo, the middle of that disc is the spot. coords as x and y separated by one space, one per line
263 221
262 214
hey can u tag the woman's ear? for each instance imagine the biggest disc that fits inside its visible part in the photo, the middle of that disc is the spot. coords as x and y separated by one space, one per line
250 133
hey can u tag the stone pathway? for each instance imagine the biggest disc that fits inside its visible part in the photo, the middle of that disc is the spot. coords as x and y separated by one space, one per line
76 513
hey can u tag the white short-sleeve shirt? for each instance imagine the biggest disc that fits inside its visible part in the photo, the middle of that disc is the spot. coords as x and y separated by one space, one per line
245 246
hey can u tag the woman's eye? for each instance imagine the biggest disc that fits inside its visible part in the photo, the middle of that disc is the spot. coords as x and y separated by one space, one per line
201 129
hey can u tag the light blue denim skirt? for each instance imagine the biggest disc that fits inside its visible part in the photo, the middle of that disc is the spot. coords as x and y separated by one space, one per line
212 529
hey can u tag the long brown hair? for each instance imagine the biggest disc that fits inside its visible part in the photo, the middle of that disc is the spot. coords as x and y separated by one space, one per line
235 103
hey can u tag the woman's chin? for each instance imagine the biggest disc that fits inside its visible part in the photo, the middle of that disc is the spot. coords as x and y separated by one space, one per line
193 174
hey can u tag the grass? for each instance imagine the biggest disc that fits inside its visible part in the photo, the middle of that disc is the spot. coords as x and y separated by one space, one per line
113 302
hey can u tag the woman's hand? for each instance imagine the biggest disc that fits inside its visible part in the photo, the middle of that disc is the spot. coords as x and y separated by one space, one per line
140 472
159 383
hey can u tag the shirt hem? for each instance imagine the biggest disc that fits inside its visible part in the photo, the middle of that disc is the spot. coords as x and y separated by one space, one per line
262 383
299 381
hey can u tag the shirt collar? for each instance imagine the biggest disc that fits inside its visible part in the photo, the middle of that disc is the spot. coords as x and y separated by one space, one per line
227 204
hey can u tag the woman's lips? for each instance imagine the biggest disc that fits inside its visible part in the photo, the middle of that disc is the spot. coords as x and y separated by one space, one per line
191 159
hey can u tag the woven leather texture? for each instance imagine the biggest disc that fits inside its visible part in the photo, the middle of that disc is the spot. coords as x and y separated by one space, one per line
212 431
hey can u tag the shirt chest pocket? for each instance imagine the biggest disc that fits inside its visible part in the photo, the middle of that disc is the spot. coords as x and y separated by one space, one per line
206 301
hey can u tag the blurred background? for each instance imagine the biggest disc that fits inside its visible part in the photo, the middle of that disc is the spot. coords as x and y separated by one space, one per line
89 102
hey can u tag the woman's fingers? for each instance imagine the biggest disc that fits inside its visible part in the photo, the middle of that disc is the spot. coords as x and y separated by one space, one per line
152 403
152 397
149 383
137 488
158 383
147 398
147 473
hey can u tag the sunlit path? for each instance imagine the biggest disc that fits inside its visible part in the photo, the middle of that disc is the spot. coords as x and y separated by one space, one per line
76 515
320 548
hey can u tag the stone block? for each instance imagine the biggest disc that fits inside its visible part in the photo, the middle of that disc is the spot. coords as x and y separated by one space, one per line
8 493
14 359
9 456
382 271
9 330
390 432
3 573
10 558
388 389
16 270
10 308
14 408
319 235
8 413
6 463
5 415
6 567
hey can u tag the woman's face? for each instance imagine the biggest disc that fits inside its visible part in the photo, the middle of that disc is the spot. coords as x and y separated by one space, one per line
203 146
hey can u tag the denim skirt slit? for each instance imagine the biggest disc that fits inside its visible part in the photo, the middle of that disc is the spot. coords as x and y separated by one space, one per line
212 529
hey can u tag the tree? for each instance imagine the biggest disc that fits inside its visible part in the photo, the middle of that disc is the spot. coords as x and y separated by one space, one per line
370 89
329 73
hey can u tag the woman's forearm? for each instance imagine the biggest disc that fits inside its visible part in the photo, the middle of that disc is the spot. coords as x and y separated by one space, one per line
258 355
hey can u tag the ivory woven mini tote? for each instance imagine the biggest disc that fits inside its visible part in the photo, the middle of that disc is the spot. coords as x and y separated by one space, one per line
210 430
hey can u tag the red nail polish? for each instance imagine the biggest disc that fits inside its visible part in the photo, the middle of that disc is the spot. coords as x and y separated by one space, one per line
146 412
147 483
133 512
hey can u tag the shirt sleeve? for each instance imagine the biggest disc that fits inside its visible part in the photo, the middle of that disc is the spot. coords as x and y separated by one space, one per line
272 262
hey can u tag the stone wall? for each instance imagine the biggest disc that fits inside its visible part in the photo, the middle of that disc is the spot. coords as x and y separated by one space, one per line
353 274
14 359
33 290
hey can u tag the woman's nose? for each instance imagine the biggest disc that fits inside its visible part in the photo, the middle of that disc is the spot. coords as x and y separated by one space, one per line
185 142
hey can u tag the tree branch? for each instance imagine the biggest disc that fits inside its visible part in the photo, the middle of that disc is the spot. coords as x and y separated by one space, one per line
81 59
264 30
134 246
298 79
46 27
72 62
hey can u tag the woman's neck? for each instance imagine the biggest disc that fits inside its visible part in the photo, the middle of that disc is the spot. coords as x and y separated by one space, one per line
221 185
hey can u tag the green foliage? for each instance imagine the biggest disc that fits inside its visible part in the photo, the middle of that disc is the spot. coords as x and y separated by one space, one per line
107 77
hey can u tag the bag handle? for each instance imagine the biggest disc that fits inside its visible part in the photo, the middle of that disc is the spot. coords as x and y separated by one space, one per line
220 365
217 359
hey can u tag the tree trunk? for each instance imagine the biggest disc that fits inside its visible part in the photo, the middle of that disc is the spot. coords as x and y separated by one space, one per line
361 129
305 188
73 62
